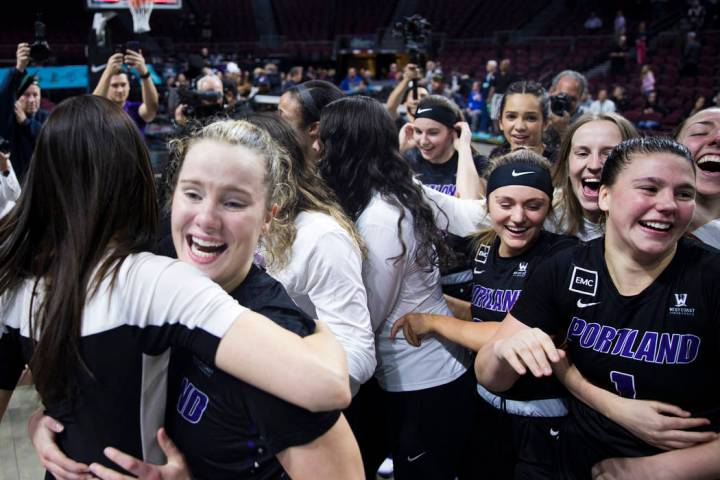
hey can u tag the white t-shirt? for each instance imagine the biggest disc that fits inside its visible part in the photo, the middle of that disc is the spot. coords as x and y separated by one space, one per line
324 278
709 233
397 287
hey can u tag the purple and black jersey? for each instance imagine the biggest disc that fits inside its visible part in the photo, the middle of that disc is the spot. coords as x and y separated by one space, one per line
498 283
227 428
662 344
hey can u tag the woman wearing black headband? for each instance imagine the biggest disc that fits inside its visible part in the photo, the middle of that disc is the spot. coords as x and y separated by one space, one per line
515 425
301 106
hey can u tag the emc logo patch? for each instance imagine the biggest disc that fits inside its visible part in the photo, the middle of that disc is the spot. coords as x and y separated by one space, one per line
584 281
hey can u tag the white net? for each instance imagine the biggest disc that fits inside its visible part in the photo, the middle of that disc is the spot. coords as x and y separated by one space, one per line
141 10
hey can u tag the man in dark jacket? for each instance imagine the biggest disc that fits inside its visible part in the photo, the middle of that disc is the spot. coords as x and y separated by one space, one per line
20 113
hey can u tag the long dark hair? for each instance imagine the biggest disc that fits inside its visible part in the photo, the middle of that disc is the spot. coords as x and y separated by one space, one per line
312 96
88 202
360 156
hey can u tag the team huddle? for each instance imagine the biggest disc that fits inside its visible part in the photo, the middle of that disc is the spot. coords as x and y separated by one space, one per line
334 290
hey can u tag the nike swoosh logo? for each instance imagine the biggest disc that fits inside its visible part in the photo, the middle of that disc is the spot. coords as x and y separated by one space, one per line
554 432
423 110
519 174
479 272
98 68
412 459
580 303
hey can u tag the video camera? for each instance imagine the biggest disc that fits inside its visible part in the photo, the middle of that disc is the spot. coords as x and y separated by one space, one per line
39 49
415 31
200 104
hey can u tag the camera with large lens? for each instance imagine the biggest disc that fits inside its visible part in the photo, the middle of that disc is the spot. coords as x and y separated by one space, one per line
39 49
560 103
200 105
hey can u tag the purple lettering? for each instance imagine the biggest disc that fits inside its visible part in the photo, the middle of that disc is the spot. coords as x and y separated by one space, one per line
646 349
689 349
668 348
627 350
605 338
577 325
620 342
589 335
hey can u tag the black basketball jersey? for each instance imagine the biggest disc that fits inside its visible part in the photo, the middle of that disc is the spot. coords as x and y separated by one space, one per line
497 285
227 428
662 344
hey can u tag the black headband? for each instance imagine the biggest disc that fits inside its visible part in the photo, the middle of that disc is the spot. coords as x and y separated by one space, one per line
439 113
307 101
518 173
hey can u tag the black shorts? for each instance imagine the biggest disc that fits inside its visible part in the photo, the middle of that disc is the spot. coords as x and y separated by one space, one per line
430 429
514 446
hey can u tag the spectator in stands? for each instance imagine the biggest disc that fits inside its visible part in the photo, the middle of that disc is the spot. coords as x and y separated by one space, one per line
114 84
566 90
603 104
20 113
393 73
696 15
487 89
431 68
273 77
585 103
403 95
294 77
641 45
503 79
691 55
475 106
622 104
618 56
351 81
594 23
173 98
619 24
647 80
652 112
211 86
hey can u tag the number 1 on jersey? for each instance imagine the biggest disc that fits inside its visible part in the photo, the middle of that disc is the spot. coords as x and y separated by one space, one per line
624 383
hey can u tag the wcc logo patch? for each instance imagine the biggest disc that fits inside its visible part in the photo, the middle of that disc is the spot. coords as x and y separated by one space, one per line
680 307
521 270
583 281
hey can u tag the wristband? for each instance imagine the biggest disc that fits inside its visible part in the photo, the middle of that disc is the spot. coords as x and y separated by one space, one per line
146 75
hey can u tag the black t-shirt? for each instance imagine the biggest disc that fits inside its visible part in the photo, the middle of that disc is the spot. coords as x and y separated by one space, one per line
497 285
662 344
227 428
440 176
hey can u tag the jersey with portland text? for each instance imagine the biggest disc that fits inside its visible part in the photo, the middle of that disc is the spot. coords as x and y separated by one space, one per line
497 285
498 281
662 344
227 428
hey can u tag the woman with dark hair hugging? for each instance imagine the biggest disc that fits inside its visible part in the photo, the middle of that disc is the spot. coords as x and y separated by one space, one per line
426 393
95 315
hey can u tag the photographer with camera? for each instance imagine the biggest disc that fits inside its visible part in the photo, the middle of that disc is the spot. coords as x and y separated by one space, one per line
204 102
566 91
20 113
114 85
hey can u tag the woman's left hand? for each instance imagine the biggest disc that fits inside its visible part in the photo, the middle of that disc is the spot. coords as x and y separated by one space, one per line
175 469
465 136
414 325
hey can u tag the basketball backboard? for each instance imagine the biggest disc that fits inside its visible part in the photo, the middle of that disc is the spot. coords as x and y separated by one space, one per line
123 4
